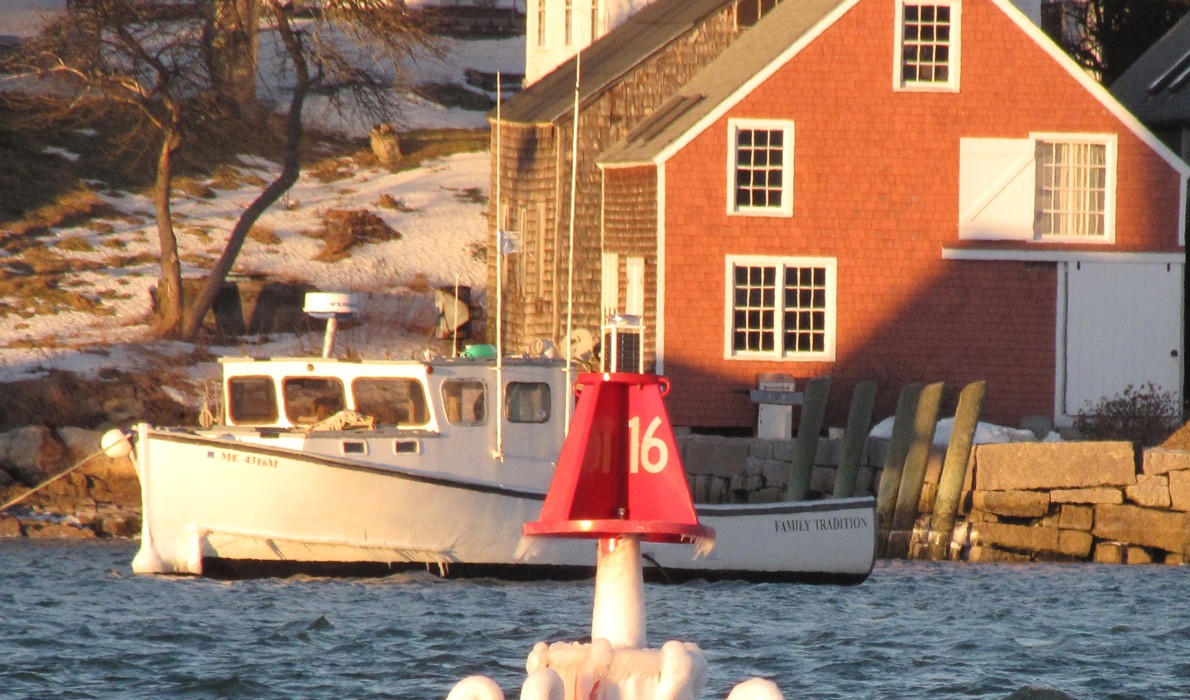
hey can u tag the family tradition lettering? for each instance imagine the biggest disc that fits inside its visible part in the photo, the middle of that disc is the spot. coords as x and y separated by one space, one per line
850 522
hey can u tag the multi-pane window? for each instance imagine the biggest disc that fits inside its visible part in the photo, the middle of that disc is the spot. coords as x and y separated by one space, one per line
929 44
541 22
596 29
781 307
761 168
1072 188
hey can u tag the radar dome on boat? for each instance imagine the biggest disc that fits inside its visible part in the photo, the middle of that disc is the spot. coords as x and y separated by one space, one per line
329 304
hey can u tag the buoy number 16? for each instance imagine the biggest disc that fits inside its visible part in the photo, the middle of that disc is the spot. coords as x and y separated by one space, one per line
648 451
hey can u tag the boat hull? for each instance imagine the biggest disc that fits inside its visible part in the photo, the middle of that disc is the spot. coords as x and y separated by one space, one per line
221 507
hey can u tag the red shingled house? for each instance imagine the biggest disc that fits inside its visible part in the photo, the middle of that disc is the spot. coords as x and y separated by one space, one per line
902 190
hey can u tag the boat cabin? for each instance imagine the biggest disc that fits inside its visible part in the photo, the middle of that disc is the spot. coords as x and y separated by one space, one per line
437 414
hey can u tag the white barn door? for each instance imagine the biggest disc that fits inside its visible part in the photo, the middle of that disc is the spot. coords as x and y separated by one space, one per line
1122 324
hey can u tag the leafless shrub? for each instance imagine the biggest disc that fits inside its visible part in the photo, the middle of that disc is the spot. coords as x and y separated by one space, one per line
344 229
1145 415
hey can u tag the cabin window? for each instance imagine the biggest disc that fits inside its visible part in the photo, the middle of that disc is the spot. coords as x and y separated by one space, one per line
780 308
252 400
400 402
464 401
927 45
760 167
527 402
541 30
309 400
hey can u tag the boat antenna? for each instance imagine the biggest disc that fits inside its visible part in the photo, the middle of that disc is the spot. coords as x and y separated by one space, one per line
498 453
578 68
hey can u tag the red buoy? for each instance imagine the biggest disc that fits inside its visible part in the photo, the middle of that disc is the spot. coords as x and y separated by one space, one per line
619 472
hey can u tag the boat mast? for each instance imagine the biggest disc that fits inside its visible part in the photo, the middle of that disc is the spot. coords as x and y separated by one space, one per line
578 67
498 453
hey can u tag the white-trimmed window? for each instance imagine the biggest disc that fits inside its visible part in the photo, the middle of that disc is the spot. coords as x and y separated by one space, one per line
1048 187
541 28
1072 179
927 45
780 308
760 167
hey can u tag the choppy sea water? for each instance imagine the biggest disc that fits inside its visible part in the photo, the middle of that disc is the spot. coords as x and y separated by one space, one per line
76 623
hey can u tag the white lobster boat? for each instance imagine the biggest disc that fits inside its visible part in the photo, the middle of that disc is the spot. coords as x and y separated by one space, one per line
329 466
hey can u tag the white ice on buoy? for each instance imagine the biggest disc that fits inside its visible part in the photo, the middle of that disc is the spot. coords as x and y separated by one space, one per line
476 688
618 614
756 689
543 684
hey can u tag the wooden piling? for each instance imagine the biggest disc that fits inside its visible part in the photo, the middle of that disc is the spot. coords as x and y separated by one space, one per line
954 470
855 437
805 445
894 462
913 478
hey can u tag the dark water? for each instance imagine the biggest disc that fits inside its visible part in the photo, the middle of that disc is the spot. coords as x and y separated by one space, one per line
75 623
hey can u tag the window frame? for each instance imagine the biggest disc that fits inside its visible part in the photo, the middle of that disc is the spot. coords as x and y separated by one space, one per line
781 263
954 61
1110 142
734 127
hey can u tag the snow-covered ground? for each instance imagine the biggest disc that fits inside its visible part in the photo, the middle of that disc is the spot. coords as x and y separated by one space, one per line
441 218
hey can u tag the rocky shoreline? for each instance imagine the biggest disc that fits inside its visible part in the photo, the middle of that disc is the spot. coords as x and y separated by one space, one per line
100 497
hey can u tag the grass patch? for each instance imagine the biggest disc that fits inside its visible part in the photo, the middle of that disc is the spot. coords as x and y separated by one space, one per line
192 187
422 145
228 177
332 169
263 234
470 195
343 230
387 201
76 244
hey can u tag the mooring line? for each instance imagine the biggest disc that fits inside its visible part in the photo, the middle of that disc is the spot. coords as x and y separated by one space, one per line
49 481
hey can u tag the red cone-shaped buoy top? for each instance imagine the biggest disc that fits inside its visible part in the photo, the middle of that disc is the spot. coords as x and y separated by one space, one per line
619 472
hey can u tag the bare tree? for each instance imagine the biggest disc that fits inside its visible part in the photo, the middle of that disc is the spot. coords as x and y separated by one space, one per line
332 47
1107 36
188 67
107 57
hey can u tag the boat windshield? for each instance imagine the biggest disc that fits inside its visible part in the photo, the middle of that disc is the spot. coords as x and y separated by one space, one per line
312 399
253 400
391 401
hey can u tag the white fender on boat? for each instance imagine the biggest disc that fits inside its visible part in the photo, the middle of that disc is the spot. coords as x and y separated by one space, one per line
115 444
476 688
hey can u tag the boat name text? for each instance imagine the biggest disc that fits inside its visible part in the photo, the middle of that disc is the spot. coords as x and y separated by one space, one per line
821 524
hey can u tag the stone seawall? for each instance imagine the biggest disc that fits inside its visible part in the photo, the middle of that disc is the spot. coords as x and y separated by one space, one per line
1028 501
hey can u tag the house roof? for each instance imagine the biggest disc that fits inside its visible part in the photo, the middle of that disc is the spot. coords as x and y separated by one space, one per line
1157 86
787 25
775 39
607 60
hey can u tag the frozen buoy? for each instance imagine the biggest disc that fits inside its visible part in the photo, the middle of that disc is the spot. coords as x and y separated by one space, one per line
756 689
115 444
476 688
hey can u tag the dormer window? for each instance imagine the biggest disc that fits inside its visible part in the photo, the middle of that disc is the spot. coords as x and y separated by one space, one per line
927 44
